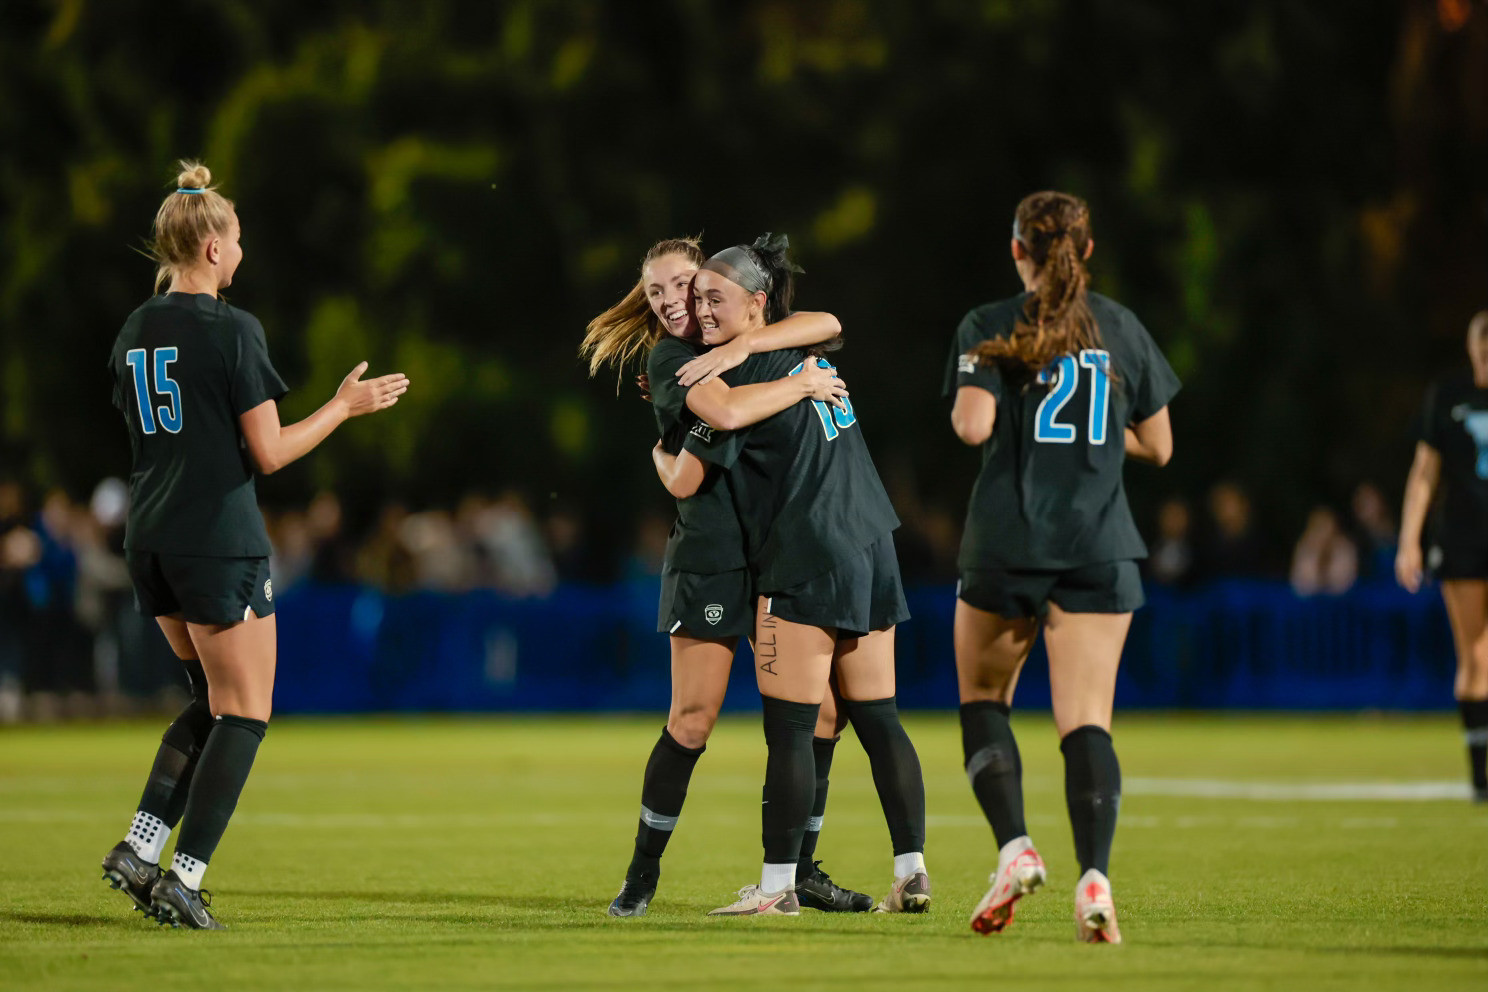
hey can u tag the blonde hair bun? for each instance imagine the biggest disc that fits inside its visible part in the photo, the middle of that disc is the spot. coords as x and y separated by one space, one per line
193 175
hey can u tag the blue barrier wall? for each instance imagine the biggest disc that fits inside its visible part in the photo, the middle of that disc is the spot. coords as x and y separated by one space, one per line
1234 644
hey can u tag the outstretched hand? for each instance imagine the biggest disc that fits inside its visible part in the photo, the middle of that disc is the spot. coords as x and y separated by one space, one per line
370 395
712 363
823 383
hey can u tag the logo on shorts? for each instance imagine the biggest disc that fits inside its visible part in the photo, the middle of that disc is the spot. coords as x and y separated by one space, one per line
713 612
269 589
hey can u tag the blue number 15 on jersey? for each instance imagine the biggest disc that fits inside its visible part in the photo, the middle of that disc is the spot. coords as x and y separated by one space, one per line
170 413
1064 373
833 420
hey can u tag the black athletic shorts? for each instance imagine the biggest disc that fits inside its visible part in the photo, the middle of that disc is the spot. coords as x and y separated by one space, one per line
861 595
1449 560
200 589
708 606
1106 587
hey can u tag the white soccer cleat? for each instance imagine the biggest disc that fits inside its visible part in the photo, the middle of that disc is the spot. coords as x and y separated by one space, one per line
909 894
754 902
1020 871
1095 913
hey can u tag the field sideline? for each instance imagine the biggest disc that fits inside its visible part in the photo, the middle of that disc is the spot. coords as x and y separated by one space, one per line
1255 852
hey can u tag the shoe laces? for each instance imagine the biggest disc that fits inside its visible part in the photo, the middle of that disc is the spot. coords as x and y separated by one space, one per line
204 896
817 873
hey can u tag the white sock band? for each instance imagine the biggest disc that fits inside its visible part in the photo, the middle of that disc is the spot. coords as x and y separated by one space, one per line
908 864
147 835
778 878
188 870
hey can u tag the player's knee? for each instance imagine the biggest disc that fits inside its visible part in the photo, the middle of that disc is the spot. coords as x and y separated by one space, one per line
691 727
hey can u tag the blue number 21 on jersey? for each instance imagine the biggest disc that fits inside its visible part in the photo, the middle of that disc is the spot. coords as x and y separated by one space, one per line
170 413
833 420
1064 373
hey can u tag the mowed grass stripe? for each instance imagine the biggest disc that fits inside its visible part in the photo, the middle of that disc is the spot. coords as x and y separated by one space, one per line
481 852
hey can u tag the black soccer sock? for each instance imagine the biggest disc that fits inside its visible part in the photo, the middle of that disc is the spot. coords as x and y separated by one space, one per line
170 777
896 769
663 791
790 777
1092 790
220 774
1475 730
994 767
822 748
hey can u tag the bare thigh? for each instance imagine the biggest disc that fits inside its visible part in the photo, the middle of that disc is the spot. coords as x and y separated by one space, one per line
832 719
990 652
174 629
863 667
1467 609
791 660
700 673
1084 653
239 660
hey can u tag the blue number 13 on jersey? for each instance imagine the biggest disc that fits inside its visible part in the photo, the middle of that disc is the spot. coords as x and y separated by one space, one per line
144 397
1064 373
833 420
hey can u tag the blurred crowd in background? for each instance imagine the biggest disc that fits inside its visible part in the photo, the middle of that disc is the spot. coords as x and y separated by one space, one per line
73 646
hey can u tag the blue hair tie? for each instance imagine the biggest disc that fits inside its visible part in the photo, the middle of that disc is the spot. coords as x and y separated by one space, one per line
190 191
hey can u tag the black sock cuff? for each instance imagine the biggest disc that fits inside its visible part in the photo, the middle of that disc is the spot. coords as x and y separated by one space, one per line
981 706
671 742
255 727
1474 713
196 677
1080 734
870 707
783 712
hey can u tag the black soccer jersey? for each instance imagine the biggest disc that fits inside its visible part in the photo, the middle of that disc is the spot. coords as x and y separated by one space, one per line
706 537
1454 421
804 484
185 366
1050 492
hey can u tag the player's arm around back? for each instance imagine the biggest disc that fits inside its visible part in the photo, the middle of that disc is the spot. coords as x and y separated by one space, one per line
729 408
973 415
682 474
1151 440
273 446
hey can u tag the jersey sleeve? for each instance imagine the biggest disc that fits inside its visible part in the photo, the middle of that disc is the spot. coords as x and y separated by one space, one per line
962 369
667 395
1155 382
254 379
716 447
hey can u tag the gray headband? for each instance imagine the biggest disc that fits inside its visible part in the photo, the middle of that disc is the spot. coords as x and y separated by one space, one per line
738 266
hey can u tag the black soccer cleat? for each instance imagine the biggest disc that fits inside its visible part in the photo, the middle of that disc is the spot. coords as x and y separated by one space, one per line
178 905
635 895
131 874
818 891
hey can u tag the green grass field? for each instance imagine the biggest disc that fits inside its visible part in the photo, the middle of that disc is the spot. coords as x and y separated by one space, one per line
481 853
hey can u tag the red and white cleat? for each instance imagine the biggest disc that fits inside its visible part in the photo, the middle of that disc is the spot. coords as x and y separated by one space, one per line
1095 913
1020 871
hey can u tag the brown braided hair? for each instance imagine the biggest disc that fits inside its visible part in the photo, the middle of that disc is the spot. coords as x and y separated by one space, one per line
1054 228
630 329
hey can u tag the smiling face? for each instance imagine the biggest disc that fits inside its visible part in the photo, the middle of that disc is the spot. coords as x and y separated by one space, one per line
668 282
724 309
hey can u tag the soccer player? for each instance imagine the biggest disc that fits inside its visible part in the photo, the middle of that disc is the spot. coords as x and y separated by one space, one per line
817 523
707 602
1452 457
1058 386
193 379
